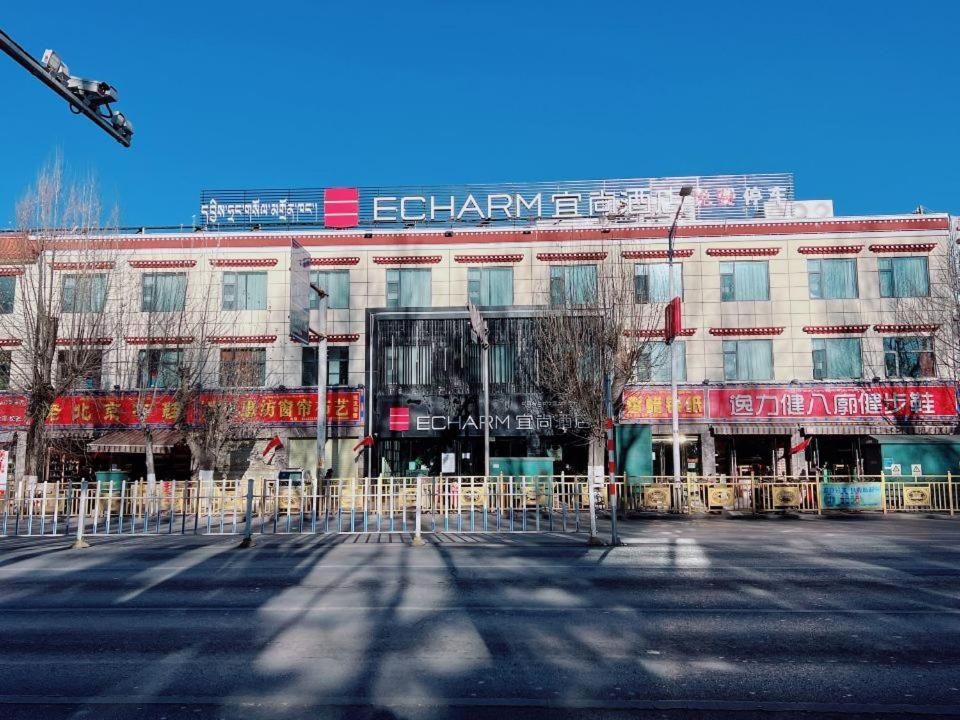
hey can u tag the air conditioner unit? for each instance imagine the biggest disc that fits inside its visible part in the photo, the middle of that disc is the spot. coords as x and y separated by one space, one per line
798 209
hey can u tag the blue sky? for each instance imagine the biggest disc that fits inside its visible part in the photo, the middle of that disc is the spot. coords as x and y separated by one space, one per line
859 100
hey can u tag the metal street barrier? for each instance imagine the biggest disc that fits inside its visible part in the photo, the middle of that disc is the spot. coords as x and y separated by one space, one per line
448 504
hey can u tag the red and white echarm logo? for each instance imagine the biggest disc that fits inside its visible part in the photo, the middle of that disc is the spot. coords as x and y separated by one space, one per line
341 207
399 418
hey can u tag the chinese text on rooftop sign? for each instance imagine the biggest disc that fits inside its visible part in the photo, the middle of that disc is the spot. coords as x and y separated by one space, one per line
720 197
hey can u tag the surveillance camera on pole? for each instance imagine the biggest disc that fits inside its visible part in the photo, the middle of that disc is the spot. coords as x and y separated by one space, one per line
86 97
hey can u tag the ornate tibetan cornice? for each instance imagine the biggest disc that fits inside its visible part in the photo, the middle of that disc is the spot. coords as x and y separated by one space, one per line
501 258
901 247
743 252
242 339
243 262
834 329
745 332
655 254
332 261
906 328
829 249
407 259
161 264
571 256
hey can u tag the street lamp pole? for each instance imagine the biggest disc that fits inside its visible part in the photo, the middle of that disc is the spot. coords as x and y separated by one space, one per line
322 302
674 293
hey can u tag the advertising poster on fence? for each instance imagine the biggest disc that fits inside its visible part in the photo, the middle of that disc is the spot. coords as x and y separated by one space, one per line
852 496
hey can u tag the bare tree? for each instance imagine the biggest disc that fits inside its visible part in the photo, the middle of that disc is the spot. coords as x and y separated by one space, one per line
61 298
594 334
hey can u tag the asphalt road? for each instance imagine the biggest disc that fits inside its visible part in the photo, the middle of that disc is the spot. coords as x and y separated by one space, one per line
732 618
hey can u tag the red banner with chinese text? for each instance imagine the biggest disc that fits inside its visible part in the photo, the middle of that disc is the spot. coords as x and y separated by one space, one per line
102 410
900 402
655 404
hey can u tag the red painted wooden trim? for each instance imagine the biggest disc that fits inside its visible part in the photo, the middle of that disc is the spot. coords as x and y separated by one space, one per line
84 341
901 247
337 338
202 240
834 329
829 249
906 327
685 332
407 259
733 332
11 271
169 340
571 256
145 264
328 261
102 265
242 339
243 262
468 259
742 252
10 342
656 254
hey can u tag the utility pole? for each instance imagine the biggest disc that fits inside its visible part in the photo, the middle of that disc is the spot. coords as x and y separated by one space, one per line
670 338
480 329
321 333
86 97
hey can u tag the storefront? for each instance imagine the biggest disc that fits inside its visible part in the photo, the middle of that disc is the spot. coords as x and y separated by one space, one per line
797 429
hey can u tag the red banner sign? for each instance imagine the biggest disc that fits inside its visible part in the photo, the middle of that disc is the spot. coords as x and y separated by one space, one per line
917 402
656 404
125 409
786 402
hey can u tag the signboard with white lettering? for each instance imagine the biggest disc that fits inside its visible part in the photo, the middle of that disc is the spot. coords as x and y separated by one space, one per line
717 197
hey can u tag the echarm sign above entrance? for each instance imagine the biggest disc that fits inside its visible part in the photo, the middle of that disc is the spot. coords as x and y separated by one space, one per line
715 197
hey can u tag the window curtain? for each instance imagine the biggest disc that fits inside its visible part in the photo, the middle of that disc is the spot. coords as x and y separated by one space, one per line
169 292
581 281
910 277
496 286
839 279
255 295
659 359
754 360
750 281
658 281
336 283
415 288
843 358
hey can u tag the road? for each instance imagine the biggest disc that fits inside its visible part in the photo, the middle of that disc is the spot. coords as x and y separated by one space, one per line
732 618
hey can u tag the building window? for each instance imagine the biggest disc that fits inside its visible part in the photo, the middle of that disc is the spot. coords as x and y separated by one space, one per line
837 359
336 283
832 279
244 291
243 367
909 357
85 366
747 360
163 292
8 291
652 281
501 361
904 277
408 365
338 364
408 288
159 368
744 280
653 363
573 285
6 360
83 293
490 286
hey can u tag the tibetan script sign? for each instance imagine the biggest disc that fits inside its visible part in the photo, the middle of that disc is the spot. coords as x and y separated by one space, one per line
637 199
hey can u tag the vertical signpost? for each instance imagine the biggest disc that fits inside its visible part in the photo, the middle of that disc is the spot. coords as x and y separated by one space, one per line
481 331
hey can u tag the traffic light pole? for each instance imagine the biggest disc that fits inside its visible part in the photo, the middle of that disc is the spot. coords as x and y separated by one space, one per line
11 48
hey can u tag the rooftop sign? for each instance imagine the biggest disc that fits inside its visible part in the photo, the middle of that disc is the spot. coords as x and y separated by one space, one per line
717 197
